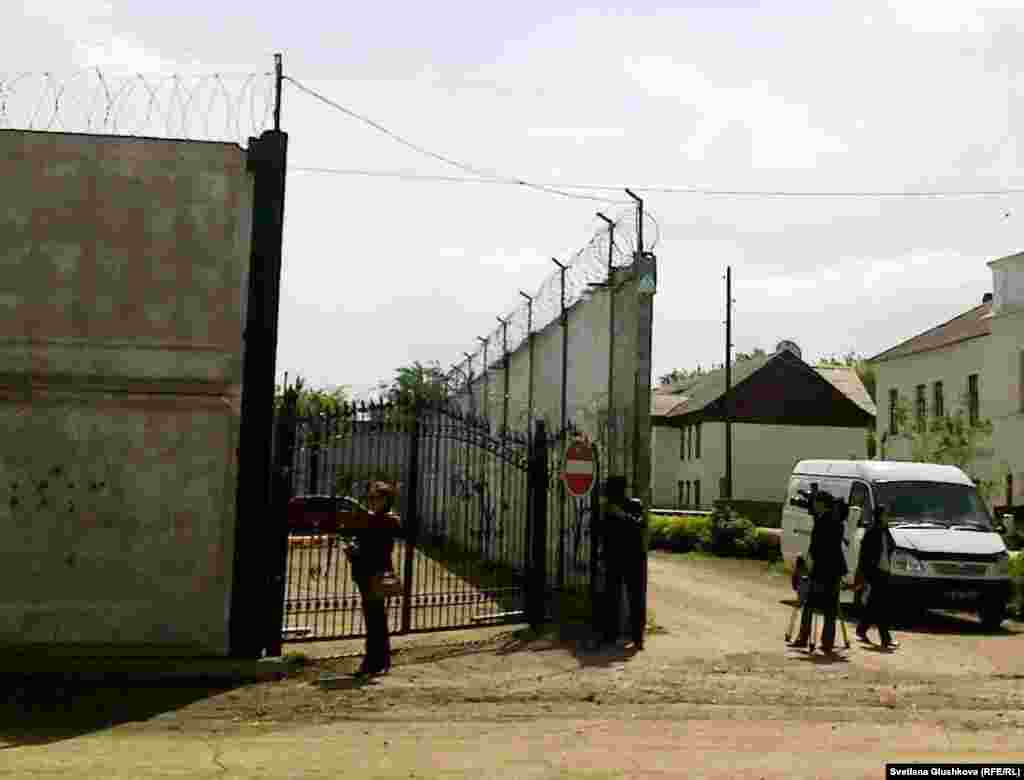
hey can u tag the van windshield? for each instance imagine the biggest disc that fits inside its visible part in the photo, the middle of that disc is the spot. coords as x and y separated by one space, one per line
934 503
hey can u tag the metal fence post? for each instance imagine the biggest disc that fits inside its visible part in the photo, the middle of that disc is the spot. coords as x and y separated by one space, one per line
537 580
411 521
529 336
281 492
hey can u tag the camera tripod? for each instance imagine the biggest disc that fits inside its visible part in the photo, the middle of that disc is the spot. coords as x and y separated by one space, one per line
805 593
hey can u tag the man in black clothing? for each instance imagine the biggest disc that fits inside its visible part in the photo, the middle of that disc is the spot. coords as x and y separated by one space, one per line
622 538
828 567
873 571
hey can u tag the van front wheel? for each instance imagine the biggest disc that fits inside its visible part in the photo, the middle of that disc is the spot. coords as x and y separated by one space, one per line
992 615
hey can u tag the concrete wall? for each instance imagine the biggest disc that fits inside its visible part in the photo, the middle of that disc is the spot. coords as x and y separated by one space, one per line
124 275
763 457
587 371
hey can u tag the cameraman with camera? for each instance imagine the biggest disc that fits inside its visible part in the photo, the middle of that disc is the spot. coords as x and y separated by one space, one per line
828 567
622 540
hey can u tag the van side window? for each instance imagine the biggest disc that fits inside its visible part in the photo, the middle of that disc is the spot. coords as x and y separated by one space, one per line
859 498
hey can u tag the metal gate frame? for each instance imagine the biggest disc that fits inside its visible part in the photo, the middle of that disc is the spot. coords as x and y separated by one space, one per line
477 547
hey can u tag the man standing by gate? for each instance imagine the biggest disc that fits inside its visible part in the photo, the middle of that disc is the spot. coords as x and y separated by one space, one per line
622 540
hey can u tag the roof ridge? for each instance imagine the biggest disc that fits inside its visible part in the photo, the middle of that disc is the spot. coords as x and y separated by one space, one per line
932 329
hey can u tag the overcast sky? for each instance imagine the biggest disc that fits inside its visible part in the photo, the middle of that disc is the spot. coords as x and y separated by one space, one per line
804 97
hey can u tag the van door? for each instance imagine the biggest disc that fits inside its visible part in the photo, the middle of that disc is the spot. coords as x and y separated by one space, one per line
796 520
860 518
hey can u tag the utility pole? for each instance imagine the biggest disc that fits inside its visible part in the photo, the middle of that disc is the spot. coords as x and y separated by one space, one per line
727 492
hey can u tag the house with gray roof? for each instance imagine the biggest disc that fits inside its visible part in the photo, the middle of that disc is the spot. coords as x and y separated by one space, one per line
781 409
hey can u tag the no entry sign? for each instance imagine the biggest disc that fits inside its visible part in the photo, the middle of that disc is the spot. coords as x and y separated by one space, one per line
579 468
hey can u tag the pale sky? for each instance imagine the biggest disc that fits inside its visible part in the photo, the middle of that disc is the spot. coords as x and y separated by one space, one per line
811 97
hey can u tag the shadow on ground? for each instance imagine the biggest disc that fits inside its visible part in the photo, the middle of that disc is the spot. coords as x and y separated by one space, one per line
932 622
575 639
39 710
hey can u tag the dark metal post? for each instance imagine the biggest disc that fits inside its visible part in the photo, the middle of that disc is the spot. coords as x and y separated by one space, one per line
504 368
561 431
278 79
728 383
639 221
537 581
254 573
610 283
487 387
411 520
469 383
281 492
529 336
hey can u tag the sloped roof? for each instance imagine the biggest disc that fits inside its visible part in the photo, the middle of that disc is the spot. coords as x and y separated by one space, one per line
969 325
778 388
692 396
847 381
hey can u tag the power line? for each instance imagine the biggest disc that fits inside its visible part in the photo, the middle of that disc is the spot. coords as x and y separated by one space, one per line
440 157
671 190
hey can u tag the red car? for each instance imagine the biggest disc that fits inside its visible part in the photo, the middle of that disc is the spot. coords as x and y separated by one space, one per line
316 514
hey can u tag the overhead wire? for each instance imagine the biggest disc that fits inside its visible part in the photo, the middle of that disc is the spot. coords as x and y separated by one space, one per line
443 158
672 190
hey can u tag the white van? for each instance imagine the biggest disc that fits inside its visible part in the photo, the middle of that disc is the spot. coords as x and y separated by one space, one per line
948 551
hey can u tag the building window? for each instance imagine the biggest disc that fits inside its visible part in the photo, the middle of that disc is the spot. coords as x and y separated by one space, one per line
682 445
686 502
679 502
938 402
921 407
894 397
689 443
696 489
698 424
973 401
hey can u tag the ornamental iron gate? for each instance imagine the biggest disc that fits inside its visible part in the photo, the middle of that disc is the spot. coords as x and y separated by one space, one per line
486 540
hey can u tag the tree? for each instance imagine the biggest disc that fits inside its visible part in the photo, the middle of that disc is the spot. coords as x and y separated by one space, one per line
310 401
679 376
416 382
950 439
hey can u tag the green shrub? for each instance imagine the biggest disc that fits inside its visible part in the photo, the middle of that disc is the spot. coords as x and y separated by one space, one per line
732 534
689 533
723 533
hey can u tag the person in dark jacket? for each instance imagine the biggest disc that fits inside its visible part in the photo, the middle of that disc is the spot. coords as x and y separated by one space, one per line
828 567
622 538
873 572
370 552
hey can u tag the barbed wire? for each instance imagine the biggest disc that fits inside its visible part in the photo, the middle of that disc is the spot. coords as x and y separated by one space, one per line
210 107
585 267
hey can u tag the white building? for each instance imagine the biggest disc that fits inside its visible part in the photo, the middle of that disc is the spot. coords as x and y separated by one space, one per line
782 411
974 362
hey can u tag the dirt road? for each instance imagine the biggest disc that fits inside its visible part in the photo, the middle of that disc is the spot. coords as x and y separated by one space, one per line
715 678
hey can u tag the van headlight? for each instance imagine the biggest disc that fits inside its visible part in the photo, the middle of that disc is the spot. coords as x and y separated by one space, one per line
904 561
1002 564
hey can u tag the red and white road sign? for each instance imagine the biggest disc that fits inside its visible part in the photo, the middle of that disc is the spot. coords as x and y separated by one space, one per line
579 468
